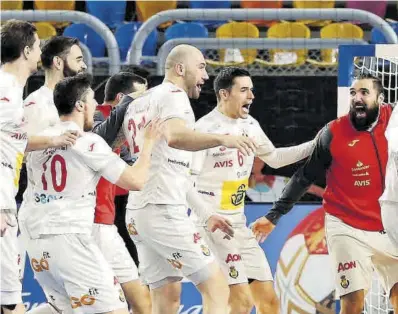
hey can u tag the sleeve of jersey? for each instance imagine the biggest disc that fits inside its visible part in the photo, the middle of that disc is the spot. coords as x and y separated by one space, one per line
100 158
7 102
318 162
196 204
282 156
174 104
109 129
32 114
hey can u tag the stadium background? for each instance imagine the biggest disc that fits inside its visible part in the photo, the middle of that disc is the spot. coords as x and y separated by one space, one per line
292 102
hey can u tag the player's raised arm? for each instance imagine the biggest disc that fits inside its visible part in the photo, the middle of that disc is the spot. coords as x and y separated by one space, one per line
318 162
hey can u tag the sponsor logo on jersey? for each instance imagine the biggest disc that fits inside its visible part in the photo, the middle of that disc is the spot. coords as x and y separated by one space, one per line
361 183
206 192
19 136
360 166
4 99
29 103
239 196
176 264
344 282
86 299
178 162
233 258
7 165
352 143
346 266
233 273
224 164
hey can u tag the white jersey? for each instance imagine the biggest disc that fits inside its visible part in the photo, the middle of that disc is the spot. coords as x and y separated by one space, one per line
391 179
13 139
65 183
40 113
223 173
168 181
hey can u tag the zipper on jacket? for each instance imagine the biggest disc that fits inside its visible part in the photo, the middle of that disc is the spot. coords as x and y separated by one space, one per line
378 160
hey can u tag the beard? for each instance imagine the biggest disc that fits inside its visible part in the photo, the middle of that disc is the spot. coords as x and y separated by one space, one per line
68 71
364 123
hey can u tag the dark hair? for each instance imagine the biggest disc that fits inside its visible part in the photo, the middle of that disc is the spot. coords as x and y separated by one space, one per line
377 83
15 36
121 83
225 78
136 69
57 46
70 90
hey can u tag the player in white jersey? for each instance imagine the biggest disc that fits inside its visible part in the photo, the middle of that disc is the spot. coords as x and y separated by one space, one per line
221 178
65 258
389 199
156 218
20 53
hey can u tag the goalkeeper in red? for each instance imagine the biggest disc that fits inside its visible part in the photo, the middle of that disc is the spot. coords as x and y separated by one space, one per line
352 151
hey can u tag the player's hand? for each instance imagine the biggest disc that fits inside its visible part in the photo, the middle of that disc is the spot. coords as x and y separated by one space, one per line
245 144
262 227
67 139
5 222
154 130
219 222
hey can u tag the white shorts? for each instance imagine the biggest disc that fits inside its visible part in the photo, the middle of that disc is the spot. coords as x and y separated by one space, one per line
114 249
356 253
389 216
10 284
241 258
167 245
74 274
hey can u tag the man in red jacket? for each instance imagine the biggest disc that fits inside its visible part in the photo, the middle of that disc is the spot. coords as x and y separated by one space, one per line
118 90
352 150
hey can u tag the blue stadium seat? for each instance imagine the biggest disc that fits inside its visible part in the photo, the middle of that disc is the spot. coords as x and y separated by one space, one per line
110 12
186 30
377 37
88 37
125 34
210 5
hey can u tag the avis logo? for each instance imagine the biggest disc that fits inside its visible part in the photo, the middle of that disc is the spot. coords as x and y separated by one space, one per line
362 183
346 266
224 164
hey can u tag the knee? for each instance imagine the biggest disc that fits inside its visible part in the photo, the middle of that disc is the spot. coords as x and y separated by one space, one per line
270 305
352 303
241 302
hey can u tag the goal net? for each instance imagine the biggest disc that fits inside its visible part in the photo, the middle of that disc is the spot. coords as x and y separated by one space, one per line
379 61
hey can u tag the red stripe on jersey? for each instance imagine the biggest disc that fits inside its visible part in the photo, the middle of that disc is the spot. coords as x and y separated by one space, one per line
176 91
5 99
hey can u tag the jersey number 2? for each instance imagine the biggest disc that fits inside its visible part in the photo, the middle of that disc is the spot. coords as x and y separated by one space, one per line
57 159
133 127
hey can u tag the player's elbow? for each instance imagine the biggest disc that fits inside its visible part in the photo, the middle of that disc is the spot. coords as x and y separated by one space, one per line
173 140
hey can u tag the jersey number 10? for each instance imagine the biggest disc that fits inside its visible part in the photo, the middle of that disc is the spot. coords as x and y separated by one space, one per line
58 187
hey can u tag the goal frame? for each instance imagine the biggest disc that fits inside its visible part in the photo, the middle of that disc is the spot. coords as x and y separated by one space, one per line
346 56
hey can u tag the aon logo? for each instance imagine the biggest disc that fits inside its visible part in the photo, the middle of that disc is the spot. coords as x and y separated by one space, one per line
362 182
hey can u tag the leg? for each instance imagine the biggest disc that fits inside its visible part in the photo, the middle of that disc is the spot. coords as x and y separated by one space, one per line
214 289
264 296
240 299
166 299
11 295
137 296
394 297
114 250
353 302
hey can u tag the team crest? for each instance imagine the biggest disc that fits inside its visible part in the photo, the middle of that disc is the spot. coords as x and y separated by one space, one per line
131 228
205 250
344 282
233 273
